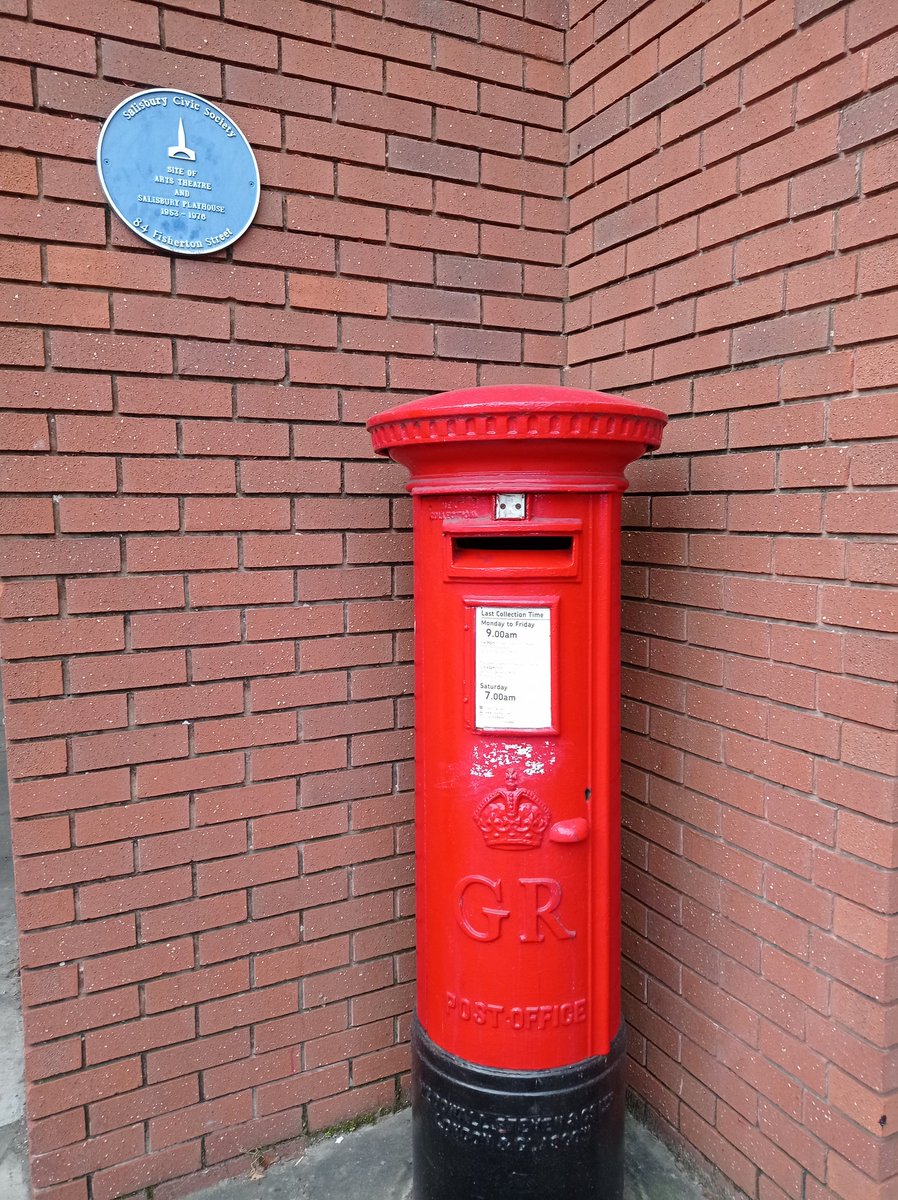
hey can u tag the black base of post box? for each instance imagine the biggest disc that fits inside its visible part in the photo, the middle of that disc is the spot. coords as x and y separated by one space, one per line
481 1133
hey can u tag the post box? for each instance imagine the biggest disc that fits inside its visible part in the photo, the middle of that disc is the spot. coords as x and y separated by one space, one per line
518 1042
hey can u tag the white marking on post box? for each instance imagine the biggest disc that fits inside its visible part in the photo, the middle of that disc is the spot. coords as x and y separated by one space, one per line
513 657
489 759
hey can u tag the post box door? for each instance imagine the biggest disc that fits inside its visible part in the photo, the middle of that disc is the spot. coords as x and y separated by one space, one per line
518 805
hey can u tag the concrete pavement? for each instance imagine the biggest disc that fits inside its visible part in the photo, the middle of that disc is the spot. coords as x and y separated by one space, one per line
14 1182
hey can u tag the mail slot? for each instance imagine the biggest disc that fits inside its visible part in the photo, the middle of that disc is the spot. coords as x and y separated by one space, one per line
518 1042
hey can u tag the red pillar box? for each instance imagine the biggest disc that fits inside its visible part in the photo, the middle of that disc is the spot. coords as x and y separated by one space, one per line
518 1046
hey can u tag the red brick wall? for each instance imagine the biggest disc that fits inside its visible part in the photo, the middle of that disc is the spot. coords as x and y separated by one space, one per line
206 650
732 258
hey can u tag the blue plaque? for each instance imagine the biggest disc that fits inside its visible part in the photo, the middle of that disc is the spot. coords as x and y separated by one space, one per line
178 172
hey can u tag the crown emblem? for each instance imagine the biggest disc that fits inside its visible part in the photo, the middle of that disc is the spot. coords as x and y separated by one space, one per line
512 818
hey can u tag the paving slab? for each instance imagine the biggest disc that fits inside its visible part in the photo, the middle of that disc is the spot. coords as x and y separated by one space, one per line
375 1163
14 1181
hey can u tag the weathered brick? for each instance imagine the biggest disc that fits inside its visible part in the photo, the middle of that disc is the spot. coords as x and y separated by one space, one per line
122 594
196 700
117 515
134 892
380 187
149 1033
47 718
65 636
213 770
149 1170
25 473
196 986
179 397
813 46
86 1087
131 966
192 916
782 335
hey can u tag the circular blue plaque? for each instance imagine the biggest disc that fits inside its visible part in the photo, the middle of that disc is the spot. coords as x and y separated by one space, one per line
178 172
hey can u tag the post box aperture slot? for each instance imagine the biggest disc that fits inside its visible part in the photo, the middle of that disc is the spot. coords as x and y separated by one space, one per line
511 543
513 555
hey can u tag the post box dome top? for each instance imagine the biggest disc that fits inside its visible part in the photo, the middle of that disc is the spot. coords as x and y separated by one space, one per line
522 437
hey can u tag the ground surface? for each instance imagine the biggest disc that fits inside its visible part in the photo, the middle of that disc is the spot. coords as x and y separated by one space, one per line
13 1158
374 1163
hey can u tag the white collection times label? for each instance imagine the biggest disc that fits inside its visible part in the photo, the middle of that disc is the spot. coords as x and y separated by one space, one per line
513 657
